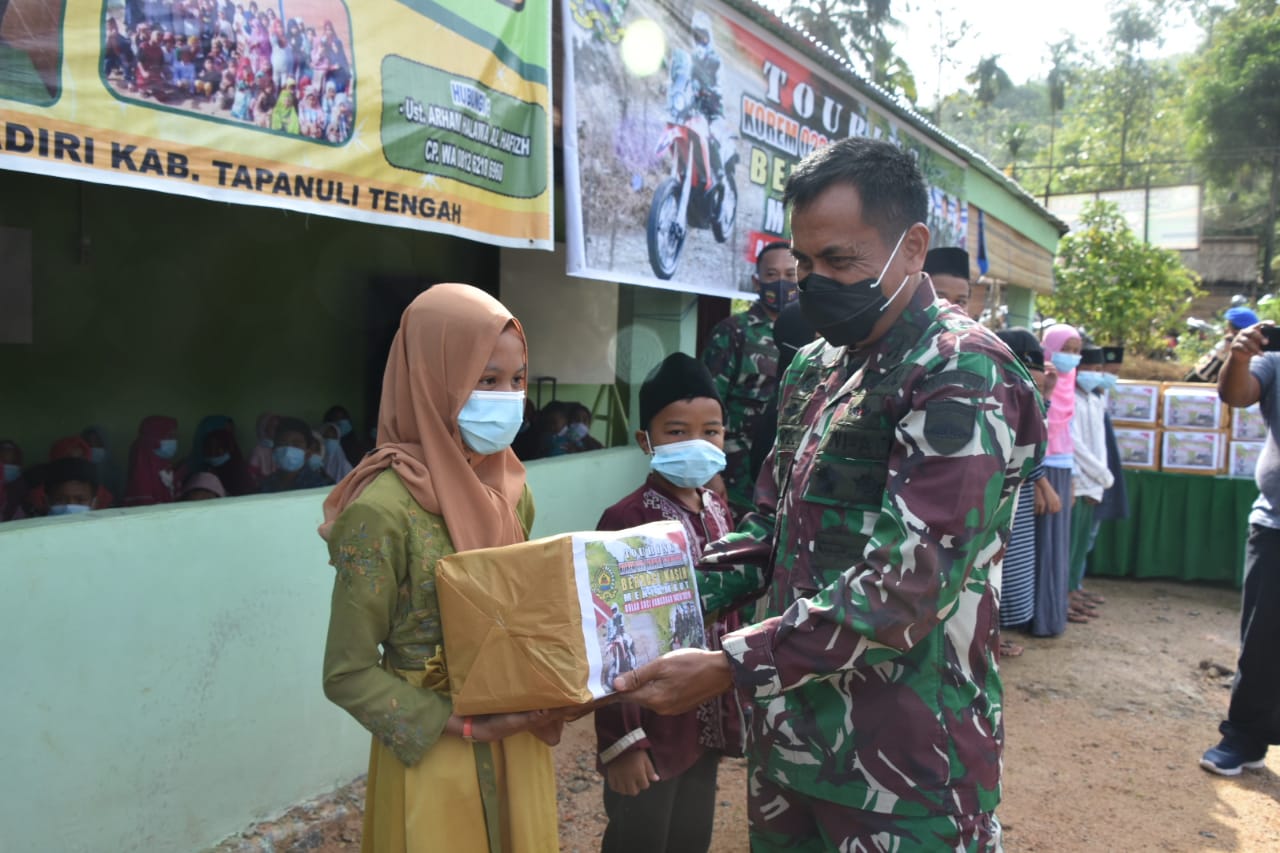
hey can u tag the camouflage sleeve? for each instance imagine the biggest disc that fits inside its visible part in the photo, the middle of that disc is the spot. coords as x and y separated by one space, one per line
946 507
735 570
723 356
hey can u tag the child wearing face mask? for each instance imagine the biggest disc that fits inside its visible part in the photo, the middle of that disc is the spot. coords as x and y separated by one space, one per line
1061 344
660 771
292 443
443 479
71 485
1091 476
151 471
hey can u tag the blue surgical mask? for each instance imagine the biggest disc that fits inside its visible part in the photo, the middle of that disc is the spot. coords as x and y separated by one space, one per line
1065 361
344 427
97 455
490 420
168 448
68 509
12 472
290 459
315 463
1089 380
219 460
1109 381
332 446
579 431
687 464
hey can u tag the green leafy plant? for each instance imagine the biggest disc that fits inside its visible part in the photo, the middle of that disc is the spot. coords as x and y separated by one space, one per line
1118 288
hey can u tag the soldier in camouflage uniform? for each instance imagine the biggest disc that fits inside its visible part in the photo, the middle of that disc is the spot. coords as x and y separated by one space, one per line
902 440
743 360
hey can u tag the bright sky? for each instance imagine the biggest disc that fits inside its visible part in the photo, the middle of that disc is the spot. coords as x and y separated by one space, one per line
1017 30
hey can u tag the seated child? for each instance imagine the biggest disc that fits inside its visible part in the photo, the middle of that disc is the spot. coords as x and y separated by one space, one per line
660 771
580 428
292 440
203 486
71 484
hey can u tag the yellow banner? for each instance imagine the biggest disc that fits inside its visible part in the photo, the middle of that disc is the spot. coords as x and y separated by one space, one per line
425 114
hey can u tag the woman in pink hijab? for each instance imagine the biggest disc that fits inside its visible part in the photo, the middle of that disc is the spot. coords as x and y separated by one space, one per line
1053 529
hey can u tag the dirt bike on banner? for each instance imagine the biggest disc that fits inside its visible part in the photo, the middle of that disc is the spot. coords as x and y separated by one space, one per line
700 191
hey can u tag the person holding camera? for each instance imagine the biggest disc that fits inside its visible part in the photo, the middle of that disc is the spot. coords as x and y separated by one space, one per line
1253 720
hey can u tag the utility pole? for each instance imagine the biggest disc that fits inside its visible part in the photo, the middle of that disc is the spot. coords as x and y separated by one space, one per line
1269 239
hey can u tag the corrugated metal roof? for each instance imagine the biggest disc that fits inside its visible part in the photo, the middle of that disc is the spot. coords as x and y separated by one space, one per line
805 42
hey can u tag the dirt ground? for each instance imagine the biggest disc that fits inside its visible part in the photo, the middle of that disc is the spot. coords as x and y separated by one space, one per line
1104 727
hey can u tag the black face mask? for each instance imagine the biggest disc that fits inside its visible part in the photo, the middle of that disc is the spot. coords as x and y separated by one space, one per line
842 313
776 295
845 314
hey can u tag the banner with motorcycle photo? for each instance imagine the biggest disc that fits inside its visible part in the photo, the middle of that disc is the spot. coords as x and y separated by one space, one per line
682 121
424 114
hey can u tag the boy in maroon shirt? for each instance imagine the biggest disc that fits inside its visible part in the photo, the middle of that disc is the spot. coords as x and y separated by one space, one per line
660 772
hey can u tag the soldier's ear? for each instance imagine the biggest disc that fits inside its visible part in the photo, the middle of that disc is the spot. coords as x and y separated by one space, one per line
642 439
915 245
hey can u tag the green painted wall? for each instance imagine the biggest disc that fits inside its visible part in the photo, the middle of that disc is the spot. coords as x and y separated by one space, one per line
1022 306
162 677
186 308
1015 212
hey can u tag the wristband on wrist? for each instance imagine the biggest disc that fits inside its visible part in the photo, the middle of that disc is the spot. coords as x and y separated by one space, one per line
467 734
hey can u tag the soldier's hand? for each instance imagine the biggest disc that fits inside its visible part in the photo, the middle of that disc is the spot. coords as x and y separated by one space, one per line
678 681
630 773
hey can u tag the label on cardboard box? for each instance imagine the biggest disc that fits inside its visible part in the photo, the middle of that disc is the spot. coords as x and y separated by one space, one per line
1138 447
1248 424
1242 460
1189 407
1134 402
1192 452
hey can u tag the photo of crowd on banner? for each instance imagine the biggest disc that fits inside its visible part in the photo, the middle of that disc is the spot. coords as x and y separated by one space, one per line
241 61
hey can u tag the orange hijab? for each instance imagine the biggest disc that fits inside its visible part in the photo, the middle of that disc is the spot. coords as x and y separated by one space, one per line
444 343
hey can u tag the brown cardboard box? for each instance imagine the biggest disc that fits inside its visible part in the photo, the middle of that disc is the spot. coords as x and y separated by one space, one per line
1242 458
1139 447
1248 425
550 623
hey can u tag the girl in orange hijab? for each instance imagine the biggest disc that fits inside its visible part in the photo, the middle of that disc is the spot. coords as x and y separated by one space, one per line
442 479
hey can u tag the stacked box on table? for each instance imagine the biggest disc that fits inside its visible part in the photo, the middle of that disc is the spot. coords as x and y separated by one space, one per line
1188 406
1242 458
1247 424
1193 451
1139 447
1134 403
550 623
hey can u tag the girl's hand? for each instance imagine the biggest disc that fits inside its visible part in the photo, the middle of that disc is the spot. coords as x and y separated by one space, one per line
1047 500
549 733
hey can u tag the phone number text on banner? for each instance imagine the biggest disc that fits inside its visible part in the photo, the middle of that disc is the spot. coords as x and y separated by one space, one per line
425 114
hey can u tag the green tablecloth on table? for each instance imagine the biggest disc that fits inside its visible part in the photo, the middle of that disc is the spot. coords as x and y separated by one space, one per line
1180 526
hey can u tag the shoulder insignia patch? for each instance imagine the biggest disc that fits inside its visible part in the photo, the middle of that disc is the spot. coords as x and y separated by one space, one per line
949 425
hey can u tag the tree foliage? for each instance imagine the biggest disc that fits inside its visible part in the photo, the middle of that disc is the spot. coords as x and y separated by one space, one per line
859 32
1233 109
988 80
1119 289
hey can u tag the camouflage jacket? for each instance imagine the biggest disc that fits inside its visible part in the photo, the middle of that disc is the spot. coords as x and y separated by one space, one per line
892 483
743 360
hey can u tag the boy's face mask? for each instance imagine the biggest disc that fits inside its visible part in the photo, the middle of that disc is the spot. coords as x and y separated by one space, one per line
687 464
